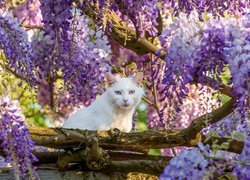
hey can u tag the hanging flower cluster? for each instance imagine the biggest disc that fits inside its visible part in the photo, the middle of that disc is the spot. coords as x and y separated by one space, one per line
15 139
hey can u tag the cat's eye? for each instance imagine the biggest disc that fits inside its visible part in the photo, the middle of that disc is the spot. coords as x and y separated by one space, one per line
131 92
118 92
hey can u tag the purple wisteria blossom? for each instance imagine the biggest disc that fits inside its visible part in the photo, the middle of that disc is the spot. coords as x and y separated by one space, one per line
182 40
242 168
80 58
56 16
197 50
16 47
216 7
15 139
87 64
237 54
29 13
190 163
142 14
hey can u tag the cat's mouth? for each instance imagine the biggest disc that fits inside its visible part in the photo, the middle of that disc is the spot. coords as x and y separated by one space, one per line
125 106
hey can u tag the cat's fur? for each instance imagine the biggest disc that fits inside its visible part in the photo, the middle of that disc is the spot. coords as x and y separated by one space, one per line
113 109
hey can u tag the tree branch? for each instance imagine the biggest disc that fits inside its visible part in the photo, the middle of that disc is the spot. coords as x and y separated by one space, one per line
29 27
95 158
232 145
139 141
207 119
224 89
127 37
68 138
123 34
142 166
131 163
52 157
63 138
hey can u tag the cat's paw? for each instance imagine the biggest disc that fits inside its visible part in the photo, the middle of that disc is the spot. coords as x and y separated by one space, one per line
114 132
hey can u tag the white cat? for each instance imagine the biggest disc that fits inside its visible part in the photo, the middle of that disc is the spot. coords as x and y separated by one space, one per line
113 109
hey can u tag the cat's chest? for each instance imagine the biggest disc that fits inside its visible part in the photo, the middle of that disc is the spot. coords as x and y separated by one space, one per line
117 115
121 120
111 115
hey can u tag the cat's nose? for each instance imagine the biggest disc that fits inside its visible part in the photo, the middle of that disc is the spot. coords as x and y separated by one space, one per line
125 100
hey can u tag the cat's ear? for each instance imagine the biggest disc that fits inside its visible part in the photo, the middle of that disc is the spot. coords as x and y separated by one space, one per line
111 79
138 78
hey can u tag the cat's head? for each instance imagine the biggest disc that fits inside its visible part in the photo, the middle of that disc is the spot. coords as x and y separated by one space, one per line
124 93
